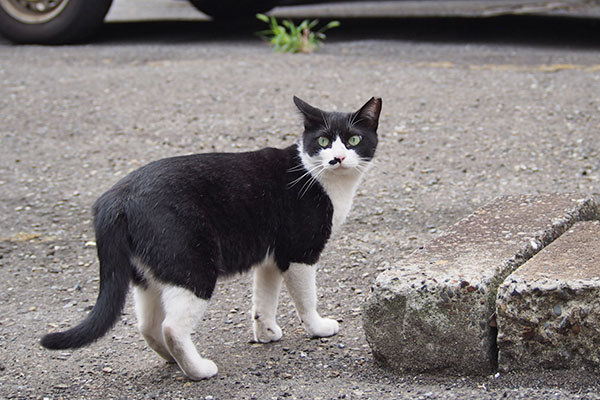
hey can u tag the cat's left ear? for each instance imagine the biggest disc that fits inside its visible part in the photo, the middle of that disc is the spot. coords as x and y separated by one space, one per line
368 114
313 117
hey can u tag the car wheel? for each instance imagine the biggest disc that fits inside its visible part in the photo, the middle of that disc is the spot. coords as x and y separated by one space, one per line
51 21
233 8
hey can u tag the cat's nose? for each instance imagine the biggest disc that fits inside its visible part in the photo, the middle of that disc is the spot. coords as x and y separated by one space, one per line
337 160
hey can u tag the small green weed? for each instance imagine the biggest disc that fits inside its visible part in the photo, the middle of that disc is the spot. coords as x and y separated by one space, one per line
290 38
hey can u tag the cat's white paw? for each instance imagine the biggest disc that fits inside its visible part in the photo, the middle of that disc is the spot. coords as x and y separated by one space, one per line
266 333
323 327
203 369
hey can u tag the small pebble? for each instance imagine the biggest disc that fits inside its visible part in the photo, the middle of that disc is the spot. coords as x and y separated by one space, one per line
557 310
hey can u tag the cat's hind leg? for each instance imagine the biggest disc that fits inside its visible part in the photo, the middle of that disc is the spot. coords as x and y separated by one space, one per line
265 297
150 315
183 311
300 280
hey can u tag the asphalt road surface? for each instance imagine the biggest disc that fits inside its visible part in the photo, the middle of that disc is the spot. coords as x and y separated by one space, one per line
473 108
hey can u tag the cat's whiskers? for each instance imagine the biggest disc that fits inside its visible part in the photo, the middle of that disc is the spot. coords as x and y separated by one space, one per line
353 121
309 172
364 165
298 167
327 128
313 179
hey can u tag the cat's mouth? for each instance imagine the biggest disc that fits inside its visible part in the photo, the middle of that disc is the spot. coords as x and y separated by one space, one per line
333 166
340 168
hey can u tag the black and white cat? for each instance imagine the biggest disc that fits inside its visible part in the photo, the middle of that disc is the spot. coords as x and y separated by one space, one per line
174 226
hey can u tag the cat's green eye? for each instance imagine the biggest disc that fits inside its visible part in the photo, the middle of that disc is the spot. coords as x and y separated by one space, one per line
323 141
354 140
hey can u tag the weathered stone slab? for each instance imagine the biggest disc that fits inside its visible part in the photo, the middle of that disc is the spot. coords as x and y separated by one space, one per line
548 310
434 310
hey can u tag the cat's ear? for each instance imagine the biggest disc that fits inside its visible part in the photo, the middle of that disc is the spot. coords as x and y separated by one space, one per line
312 115
368 115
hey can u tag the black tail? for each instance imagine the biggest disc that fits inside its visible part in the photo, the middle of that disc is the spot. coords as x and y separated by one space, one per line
112 240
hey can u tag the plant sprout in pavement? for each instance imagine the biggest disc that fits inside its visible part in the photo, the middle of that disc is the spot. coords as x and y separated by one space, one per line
290 38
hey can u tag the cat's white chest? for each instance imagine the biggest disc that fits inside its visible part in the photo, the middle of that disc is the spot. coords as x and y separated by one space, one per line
340 192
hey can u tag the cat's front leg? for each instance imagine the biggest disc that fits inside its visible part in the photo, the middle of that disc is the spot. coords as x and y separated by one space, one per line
265 297
300 280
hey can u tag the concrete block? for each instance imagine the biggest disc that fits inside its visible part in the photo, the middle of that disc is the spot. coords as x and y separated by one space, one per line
434 311
548 311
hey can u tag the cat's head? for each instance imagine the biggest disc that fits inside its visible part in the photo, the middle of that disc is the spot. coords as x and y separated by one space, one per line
338 143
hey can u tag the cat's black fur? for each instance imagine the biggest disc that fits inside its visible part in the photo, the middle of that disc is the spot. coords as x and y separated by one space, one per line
193 219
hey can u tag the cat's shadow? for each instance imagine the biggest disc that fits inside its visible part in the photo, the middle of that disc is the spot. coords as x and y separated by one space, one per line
561 31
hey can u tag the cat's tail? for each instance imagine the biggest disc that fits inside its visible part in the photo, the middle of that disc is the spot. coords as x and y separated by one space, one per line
113 245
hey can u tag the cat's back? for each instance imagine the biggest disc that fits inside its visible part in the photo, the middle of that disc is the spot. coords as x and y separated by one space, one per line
208 176
262 165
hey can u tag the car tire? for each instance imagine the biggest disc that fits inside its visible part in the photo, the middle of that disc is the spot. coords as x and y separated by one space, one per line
223 9
51 21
